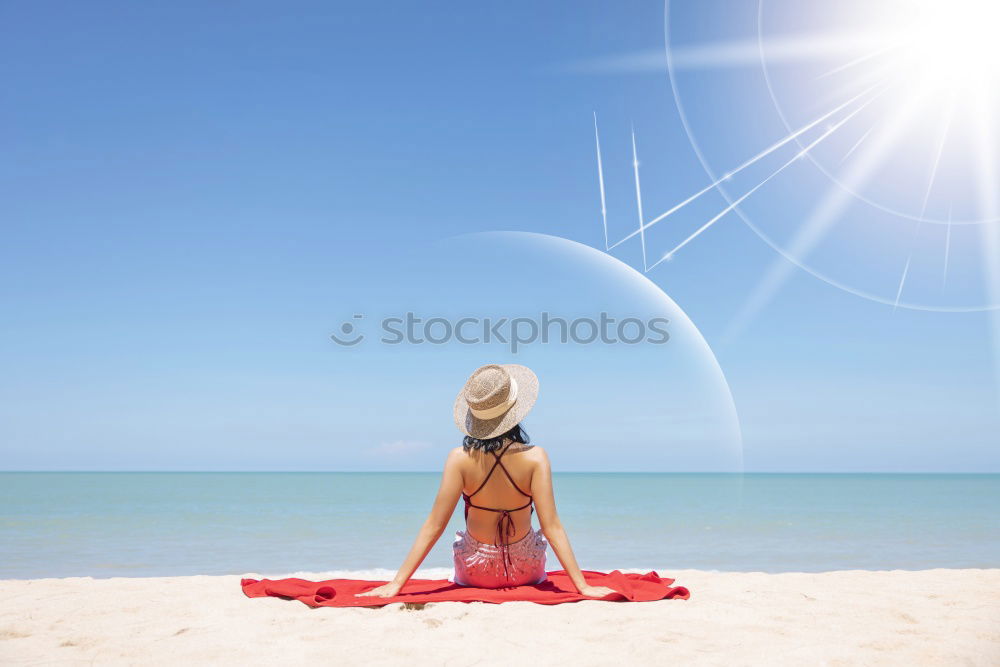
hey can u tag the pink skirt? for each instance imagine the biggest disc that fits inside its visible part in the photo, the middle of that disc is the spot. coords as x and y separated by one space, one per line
481 565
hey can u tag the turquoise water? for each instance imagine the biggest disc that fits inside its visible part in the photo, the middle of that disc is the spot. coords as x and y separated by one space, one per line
159 524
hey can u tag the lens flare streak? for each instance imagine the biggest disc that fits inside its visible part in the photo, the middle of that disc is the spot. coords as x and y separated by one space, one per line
600 180
756 158
754 189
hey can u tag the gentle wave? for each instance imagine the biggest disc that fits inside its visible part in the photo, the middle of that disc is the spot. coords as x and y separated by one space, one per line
382 574
373 574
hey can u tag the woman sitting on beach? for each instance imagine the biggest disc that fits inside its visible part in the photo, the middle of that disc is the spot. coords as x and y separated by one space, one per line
499 475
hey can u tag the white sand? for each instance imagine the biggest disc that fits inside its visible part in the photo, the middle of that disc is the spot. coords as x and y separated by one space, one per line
934 617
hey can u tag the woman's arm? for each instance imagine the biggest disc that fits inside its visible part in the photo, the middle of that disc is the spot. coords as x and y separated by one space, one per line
437 521
545 505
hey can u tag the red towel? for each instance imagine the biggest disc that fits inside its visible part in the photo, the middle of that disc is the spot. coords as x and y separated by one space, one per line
557 589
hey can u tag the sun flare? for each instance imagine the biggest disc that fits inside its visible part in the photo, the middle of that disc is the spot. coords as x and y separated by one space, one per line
895 103
952 45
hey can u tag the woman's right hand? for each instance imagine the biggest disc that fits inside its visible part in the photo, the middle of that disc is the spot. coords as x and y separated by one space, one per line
596 591
389 590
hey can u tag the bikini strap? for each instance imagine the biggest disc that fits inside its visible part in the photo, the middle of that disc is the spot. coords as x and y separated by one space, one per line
490 473
525 506
504 468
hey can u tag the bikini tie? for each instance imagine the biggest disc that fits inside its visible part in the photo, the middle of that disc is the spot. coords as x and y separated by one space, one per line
505 530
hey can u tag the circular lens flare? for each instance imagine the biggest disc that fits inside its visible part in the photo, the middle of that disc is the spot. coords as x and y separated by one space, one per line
910 162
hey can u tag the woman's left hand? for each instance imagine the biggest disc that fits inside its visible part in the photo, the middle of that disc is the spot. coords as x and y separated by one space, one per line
596 591
388 590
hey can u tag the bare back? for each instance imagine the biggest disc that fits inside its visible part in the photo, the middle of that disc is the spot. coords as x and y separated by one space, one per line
499 493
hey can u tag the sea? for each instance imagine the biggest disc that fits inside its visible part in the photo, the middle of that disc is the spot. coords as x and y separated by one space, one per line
339 524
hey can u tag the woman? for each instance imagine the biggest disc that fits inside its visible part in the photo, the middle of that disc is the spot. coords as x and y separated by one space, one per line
499 475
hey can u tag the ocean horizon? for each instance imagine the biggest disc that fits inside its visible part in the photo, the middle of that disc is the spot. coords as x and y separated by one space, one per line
361 524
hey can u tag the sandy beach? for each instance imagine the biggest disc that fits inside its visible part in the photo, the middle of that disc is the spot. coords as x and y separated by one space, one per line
930 617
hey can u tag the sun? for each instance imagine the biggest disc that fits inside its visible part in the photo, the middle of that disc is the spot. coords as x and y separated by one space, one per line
951 45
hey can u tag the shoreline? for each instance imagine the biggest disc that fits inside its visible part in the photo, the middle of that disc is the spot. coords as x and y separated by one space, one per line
380 574
937 616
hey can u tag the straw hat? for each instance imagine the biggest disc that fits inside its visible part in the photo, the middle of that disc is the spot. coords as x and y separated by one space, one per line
494 399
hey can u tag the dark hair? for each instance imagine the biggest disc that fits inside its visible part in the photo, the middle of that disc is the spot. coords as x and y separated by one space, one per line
517 434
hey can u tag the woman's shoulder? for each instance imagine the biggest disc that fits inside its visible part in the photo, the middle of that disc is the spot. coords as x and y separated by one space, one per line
533 452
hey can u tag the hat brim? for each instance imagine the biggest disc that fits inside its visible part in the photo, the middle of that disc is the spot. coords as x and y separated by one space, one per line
484 429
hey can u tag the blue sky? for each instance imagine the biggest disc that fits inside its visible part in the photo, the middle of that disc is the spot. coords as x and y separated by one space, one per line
196 195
